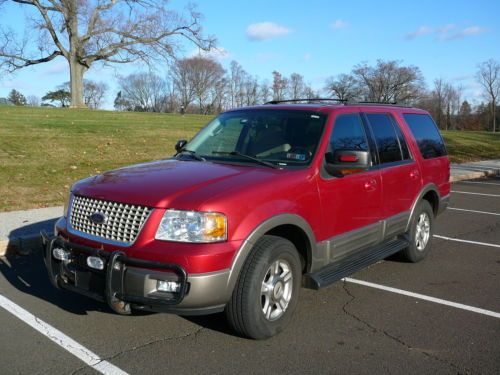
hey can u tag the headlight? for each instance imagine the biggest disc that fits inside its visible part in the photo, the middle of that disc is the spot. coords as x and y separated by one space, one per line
192 226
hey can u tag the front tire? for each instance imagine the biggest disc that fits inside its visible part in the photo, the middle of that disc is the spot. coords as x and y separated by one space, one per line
420 233
267 290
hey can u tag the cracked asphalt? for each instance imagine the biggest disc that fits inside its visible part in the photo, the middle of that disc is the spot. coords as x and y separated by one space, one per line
343 329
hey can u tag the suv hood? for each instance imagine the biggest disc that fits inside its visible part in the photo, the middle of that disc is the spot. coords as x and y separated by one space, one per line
158 183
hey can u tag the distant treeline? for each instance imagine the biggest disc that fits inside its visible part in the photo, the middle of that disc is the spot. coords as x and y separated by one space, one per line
201 85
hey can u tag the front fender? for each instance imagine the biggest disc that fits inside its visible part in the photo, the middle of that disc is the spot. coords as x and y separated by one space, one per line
261 229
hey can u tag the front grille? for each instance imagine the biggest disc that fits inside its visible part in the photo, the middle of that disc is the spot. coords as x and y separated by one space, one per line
122 223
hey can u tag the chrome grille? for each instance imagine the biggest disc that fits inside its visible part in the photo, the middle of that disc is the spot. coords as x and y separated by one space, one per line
122 224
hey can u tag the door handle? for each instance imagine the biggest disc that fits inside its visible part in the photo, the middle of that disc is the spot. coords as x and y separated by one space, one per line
414 174
371 185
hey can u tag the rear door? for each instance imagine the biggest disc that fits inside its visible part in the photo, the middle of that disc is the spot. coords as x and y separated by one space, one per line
401 178
433 155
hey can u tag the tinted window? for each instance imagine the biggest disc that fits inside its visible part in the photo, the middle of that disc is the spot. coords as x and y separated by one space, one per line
385 137
348 134
402 141
426 134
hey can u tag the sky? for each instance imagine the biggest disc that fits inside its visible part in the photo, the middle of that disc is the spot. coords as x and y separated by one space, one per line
318 39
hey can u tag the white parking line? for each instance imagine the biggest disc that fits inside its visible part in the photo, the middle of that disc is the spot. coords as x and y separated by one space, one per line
468 192
474 211
66 342
466 241
424 297
478 182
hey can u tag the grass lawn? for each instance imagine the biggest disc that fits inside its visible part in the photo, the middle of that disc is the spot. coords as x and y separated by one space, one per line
44 150
472 146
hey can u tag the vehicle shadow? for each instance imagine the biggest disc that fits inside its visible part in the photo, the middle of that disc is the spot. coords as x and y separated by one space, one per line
28 275
214 322
23 267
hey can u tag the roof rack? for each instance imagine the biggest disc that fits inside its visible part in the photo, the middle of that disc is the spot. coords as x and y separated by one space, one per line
341 101
309 100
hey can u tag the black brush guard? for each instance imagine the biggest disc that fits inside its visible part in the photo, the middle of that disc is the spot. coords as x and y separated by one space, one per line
111 289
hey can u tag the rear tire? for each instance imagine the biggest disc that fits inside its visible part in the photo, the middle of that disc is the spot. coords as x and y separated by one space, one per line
420 233
267 290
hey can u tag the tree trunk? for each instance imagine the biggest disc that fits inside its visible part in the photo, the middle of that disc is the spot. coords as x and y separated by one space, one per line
76 83
493 107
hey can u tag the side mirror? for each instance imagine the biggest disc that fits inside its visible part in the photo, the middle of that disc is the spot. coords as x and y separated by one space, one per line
180 145
342 162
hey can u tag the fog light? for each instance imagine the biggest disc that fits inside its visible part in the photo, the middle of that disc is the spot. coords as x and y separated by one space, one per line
60 254
95 263
168 286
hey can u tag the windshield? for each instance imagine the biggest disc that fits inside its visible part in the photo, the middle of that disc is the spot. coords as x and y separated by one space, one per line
282 137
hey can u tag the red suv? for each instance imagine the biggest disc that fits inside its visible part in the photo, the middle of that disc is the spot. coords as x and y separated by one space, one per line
262 201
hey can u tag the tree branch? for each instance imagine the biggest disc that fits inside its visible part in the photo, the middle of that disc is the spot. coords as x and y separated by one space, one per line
49 26
29 2
24 62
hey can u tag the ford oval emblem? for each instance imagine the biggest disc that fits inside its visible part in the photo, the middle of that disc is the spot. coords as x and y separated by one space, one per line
98 218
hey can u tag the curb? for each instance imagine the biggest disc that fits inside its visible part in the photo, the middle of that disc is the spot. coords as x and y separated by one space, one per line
474 175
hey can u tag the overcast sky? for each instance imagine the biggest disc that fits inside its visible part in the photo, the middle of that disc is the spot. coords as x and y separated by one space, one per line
317 39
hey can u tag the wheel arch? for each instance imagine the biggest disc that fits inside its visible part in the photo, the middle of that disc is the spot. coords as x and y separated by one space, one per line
289 226
430 193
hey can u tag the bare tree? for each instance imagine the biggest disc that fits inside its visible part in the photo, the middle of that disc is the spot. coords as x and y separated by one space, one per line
85 32
142 92
438 100
235 84
296 86
93 93
196 79
488 75
310 93
344 87
251 90
279 87
387 81
264 91
33 101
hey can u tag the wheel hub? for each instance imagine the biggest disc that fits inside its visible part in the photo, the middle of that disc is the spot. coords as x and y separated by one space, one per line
276 291
423 230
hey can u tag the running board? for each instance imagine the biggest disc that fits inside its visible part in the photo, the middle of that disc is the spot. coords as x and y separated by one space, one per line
346 267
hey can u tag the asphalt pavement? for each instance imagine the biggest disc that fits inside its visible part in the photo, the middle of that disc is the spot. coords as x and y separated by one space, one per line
438 316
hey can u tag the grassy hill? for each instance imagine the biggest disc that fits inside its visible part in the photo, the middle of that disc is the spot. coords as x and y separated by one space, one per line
43 150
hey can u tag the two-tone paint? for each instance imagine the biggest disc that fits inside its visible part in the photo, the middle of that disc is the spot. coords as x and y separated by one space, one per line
327 218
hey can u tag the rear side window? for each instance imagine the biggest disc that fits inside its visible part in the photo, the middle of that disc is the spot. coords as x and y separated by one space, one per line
385 136
348 133
426 134
402 141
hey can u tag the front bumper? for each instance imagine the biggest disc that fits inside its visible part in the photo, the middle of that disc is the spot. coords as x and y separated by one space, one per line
127 282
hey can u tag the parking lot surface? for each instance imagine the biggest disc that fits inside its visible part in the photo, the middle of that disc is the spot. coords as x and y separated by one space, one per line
347 328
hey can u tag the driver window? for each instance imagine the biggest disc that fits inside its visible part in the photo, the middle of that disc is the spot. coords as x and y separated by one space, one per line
348 134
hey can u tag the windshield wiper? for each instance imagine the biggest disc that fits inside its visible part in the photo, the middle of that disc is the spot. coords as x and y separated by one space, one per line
256 160
193 154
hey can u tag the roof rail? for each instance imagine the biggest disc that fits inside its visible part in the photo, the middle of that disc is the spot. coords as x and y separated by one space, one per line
341 101
374 102
309 100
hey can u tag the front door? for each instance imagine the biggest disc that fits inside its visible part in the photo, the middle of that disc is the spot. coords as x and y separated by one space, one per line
351 202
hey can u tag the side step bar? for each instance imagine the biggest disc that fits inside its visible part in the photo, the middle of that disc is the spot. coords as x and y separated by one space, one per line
346 267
